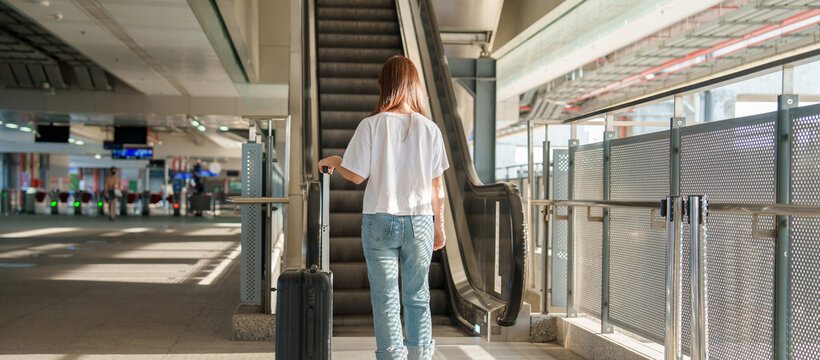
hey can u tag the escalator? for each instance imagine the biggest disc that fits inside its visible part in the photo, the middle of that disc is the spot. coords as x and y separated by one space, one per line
477 281
354 38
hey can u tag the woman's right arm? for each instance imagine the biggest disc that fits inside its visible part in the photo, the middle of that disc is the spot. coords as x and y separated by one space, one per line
438 212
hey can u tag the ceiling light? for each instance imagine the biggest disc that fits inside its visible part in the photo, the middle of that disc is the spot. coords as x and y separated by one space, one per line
201 128
12 126
223 128
194 123
79 142
71 140
1 123
97 156
26 129
649 76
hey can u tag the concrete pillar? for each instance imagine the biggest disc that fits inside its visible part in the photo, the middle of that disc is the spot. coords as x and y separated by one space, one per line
484 145
477 76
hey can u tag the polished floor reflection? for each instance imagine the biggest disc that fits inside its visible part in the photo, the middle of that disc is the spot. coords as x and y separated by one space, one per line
152 288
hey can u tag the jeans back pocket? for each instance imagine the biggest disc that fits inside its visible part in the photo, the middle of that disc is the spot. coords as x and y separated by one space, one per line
376 227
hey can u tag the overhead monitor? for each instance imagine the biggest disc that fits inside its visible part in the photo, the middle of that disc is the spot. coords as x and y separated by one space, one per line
130 134
52 133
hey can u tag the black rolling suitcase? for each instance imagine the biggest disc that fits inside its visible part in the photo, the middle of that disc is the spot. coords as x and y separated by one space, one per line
304 302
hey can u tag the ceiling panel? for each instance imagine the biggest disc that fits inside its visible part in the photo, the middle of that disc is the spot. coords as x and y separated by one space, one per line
171 34
77 28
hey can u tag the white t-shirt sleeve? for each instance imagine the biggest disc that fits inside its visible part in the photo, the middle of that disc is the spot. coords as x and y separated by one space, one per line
357 155
440 162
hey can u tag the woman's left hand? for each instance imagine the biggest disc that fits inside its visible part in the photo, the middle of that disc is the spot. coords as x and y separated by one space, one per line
331 162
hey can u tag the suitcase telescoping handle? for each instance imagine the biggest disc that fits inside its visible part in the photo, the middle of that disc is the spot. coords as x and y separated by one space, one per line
324 220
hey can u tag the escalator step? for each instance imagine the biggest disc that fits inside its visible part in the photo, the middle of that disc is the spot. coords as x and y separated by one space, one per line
342 119
359 41
357 27
338 102
352 13
389 4
348 248
345 224
357 302
337 85
353 275
329 152
346 201
336 138
349 275
350 70
359 55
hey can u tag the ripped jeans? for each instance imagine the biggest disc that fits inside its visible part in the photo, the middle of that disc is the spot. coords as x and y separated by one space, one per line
390 242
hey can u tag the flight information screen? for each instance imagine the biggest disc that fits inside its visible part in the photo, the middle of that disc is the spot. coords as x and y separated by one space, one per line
133 153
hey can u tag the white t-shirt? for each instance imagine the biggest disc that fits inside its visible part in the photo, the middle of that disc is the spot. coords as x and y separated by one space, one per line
401 165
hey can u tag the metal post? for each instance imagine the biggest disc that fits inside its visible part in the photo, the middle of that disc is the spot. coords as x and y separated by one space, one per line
609 135
697 208
672 340
571 310
674 154
530 184
325 231
782 259
674 250
545 252
267 241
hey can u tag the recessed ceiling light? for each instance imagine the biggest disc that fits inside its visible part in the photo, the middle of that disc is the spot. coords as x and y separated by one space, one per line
201 128
194 123
98 156
12 126
223 128
79 142
26 129
71 140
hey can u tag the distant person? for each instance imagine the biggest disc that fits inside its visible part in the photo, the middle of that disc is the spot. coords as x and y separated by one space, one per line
112 184
402 153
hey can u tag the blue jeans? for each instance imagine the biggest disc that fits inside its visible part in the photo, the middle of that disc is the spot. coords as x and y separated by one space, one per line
391 242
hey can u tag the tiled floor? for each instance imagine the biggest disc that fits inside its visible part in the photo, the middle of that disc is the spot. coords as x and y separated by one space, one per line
145 288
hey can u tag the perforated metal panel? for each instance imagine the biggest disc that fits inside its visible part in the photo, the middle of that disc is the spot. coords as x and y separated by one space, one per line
250 279
805 236
733 161
559 228
588 167
639 171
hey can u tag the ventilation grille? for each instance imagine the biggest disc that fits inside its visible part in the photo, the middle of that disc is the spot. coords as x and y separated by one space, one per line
559 228
251 277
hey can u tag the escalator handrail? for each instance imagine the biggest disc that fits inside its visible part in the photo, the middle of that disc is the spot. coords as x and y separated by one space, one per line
452 124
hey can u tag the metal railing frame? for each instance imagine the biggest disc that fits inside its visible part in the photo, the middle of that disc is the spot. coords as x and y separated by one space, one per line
271 223
782 210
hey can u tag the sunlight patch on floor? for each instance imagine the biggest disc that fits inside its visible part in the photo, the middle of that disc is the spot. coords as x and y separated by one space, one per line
214 232
128 273
38 232
216 272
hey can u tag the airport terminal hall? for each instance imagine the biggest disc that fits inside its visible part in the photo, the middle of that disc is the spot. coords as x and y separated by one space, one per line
410 179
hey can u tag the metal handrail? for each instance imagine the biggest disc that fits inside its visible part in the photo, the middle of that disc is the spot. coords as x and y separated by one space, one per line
714 207
256 200
462 178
